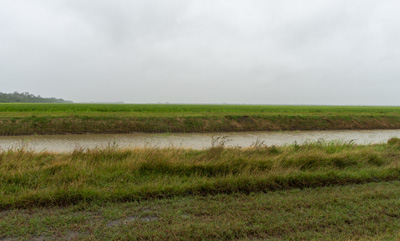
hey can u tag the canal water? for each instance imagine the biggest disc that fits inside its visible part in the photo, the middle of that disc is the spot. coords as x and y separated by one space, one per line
67 143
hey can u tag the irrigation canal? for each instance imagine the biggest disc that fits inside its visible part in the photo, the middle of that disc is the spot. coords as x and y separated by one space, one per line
66 143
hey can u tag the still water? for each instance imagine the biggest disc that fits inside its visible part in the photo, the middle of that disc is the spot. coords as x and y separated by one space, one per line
66 143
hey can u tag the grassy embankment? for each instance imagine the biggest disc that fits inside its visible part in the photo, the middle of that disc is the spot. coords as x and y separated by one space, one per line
30 179
25 119
316 190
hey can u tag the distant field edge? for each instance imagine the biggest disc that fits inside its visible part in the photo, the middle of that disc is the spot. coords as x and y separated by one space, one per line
204 124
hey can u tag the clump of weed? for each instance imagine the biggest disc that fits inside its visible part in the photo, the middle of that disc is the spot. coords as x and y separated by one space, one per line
258 144
329 147
375 160
217 146
394 141
273 150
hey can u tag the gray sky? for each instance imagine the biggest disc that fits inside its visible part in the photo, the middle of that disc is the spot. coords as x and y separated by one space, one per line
338 52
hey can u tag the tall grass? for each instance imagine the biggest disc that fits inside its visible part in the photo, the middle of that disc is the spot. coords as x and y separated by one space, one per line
110 174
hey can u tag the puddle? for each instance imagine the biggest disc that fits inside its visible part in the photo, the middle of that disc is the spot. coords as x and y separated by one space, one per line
130 219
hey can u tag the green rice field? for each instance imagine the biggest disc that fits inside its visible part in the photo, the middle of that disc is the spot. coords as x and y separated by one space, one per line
180 110
29 119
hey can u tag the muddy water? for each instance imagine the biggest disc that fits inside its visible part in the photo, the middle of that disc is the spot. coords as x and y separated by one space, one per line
66 143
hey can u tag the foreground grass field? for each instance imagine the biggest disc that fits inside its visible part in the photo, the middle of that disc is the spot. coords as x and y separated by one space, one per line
27 119
352 212
330 191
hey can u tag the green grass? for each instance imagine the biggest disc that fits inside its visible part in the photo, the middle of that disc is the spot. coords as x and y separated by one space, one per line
29 119
352 212
315 191
29 179
175 110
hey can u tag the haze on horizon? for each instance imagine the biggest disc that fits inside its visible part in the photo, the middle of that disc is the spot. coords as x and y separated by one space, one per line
325 52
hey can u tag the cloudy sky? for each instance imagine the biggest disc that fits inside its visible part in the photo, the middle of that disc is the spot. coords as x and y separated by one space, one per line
335 52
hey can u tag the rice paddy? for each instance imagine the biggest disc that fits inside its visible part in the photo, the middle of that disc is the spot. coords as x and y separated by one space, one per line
29 119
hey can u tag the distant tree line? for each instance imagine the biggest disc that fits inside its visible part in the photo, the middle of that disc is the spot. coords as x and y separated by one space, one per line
26 97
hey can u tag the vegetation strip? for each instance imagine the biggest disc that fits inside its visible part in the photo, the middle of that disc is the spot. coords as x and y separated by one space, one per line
179 110
352 212
99 125
29 179
28 119
28 98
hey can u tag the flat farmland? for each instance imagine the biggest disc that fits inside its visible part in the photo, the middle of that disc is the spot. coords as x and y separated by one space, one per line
28 119
181 110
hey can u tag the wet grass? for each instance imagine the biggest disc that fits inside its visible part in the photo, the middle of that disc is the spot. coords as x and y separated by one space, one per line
352 212
315 191
29 179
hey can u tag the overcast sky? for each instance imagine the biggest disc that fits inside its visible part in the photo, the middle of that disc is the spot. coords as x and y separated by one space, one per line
335 52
